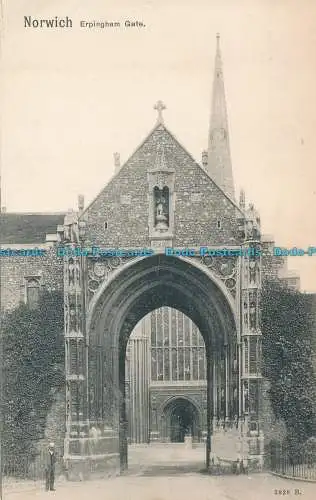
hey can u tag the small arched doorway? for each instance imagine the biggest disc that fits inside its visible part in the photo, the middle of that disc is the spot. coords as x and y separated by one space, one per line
181 418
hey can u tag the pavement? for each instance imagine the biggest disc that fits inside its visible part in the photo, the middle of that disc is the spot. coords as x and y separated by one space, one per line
170 472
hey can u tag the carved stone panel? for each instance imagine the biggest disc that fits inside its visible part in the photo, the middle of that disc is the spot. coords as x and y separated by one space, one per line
224 268
100 270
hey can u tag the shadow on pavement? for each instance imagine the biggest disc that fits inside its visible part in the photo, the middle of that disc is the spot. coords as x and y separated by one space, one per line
164 470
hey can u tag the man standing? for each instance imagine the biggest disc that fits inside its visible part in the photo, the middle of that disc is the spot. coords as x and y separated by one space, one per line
50 467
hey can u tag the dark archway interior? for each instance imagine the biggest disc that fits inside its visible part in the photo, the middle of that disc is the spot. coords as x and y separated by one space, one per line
182 420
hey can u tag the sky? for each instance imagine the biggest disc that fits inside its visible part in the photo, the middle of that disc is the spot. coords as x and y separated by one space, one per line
70 98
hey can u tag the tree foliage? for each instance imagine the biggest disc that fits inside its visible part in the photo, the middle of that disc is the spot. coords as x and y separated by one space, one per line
33 371
287 327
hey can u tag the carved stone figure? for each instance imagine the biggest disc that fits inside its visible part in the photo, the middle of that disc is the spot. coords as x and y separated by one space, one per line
67 233
161 216
77 269
68 222
252 271
159 209
253 316
245 313
72 319
71 273
253 224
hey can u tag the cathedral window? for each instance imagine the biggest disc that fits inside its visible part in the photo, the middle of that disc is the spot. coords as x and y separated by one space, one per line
153 364
181 363
219 224
187 373
174 364
153 328
167 364
177 347
202 373
195 356
106 226
160 364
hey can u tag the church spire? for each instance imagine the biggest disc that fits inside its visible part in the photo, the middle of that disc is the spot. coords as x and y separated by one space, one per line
219 159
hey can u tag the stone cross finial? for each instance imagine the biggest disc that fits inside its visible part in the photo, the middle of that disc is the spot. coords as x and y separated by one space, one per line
159 106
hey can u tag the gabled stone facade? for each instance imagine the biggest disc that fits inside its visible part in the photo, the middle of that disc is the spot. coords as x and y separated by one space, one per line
204 215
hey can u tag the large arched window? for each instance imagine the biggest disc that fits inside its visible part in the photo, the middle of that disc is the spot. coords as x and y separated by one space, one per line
177 347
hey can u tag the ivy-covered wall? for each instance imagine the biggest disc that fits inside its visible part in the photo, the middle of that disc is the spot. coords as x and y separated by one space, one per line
33 372
288 336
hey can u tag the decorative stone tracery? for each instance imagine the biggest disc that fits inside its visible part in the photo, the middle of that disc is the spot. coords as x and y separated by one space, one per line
75 340
250 348
225 268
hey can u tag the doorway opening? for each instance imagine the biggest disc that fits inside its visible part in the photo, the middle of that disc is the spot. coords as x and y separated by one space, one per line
182 420
138 289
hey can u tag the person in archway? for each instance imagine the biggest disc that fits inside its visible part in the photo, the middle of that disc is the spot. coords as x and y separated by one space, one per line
50 467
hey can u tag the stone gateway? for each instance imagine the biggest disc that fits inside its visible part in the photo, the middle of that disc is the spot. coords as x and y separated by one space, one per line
159 346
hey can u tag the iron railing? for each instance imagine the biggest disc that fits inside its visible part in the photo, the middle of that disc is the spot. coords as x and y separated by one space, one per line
292 463
27 468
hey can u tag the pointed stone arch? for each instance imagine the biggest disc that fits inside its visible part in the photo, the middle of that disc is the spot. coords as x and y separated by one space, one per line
96 412
133 291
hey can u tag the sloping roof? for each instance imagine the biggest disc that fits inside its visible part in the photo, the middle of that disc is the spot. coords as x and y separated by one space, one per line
28 228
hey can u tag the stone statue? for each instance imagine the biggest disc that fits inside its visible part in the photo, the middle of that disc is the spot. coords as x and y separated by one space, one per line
77 269
161 219
252 271
253 316
160 209
71 271
72 319
253 224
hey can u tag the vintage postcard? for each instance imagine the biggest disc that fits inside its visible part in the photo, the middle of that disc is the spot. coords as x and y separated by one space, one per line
158 249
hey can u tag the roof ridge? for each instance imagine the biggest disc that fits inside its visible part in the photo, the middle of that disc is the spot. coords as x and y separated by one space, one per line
161 126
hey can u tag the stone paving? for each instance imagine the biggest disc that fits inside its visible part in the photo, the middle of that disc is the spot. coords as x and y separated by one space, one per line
172 472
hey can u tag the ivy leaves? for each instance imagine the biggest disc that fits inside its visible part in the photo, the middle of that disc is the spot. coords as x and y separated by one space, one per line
33 370
287 327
